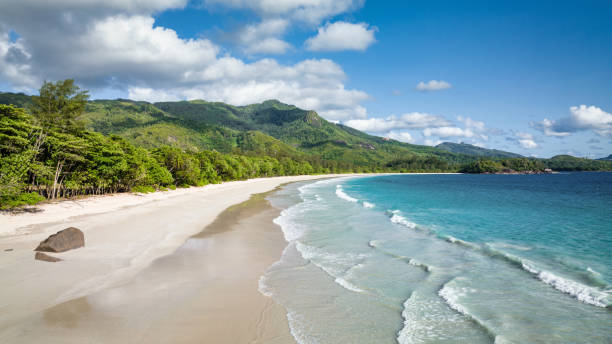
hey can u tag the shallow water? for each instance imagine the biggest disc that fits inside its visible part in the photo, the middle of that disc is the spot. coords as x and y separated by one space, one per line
447 259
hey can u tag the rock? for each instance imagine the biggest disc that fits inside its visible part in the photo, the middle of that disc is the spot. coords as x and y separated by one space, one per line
45 257
8 250
63 240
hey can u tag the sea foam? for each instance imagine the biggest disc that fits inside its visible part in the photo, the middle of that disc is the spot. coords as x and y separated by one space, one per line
340 193
368 205
580 291
400 220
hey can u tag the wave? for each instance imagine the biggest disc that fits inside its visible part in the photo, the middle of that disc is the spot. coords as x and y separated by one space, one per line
375 244
336 265
297 329
581 292
400 220
586 294
368 205
460 242
451 297
510 246
340 193
291 231
348 285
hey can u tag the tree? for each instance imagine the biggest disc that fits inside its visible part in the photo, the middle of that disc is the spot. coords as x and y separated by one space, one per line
17 151
59 105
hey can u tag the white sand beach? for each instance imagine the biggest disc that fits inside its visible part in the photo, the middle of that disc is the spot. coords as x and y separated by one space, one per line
124 234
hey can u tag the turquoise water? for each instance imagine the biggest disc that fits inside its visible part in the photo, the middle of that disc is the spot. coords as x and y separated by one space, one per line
447 259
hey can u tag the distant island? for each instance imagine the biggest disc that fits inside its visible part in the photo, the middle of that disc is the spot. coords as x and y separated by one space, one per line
61 144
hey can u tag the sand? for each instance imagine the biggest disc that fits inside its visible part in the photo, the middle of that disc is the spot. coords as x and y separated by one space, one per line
131 284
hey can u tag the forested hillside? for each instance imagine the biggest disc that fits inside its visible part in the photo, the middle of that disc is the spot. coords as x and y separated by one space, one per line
468 149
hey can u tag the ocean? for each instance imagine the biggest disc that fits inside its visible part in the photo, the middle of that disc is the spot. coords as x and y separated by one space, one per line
446 259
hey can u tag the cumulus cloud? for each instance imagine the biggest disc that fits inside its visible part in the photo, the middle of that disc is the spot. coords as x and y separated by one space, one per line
342 36
471 129
432 127
116 45
524 140
433 85
581 118
402 136
413 120
264 37
446 132
309 11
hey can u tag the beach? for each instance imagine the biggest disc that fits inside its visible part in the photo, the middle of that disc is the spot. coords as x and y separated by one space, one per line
162 267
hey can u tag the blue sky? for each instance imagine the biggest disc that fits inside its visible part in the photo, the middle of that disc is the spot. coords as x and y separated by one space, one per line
532 77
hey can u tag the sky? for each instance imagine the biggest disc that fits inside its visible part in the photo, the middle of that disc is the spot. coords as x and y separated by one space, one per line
532 77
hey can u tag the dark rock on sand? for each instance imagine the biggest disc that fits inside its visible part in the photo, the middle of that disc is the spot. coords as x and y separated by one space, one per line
45 257
63 240
8 250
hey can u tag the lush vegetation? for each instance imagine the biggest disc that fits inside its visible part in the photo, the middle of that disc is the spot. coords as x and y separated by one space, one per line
47 153
468 149
520 165
570 163
60 144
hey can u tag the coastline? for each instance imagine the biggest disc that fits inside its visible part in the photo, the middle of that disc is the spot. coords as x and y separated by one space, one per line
125 235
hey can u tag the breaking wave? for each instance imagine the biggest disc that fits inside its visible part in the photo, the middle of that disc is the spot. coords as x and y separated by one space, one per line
340 193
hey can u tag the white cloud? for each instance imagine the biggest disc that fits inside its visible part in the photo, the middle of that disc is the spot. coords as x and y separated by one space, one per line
477 126
525 140
413 120
581 118
430 142
94 6
446 132
342 36
268 45
547 127
433 85
402 136
263 37
433 127
471 129
309 11
128 52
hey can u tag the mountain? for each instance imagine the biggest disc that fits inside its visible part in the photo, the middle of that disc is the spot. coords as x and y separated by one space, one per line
269 128
608 158
467 149
282 131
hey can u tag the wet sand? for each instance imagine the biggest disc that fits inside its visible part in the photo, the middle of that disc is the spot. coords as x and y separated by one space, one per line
204 292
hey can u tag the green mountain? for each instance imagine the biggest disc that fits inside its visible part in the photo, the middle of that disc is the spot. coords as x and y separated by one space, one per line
304 130
269 128
280 131
467 149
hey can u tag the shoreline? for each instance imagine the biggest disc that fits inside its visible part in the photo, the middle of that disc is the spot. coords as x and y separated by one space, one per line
124 235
